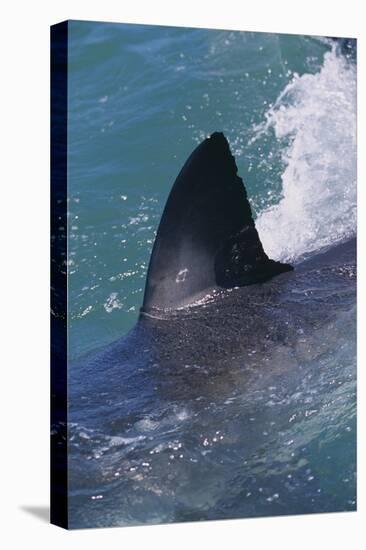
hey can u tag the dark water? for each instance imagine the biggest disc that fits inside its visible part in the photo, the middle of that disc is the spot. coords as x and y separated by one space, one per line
140 99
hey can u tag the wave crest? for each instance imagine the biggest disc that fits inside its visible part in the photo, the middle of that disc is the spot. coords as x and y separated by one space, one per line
315 118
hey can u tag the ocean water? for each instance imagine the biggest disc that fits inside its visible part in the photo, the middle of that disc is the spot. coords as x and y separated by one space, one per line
140 99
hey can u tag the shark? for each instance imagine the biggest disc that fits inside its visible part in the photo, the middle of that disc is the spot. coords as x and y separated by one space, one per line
219 320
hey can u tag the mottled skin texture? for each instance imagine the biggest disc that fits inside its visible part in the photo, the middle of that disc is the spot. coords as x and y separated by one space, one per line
223 380
245 336
218 314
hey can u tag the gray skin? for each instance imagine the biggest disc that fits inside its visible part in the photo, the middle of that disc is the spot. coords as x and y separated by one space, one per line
209 354
217 312
242 337
232 324
211 371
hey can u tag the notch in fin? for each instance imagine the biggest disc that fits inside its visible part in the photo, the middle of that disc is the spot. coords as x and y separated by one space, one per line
206 237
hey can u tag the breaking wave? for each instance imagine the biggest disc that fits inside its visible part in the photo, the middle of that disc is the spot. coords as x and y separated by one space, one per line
314 119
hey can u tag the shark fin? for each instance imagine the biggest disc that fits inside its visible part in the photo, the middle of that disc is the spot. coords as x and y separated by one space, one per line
206 237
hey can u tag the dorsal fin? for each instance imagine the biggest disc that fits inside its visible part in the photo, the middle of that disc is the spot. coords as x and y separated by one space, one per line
206 237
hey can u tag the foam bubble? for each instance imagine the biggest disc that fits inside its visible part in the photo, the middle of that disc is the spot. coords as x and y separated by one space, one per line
315 119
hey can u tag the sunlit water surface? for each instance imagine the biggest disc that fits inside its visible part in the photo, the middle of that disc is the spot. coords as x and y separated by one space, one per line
140 99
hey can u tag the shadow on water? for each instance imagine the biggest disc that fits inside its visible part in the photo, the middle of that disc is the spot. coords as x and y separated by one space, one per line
40 512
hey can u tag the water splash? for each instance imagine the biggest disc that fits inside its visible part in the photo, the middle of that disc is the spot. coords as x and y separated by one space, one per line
314 118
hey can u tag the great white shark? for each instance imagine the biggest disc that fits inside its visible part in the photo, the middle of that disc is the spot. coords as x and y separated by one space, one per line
218 315
211 291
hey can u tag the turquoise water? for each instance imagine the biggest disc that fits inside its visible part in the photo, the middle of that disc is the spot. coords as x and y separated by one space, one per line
140 99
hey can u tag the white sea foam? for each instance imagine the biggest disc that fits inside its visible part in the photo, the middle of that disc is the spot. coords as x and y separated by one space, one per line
315 118
112 302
